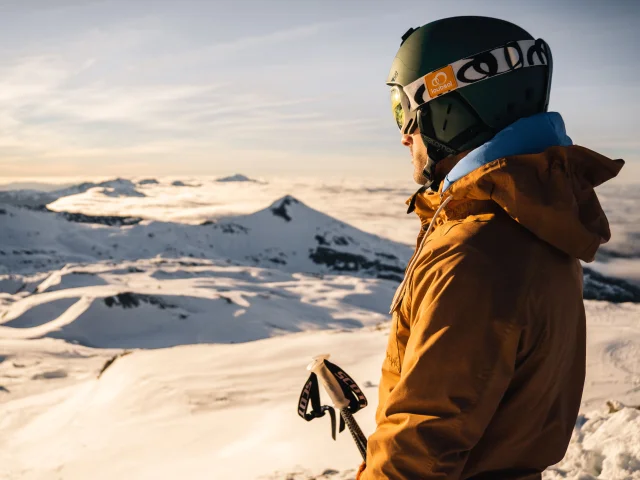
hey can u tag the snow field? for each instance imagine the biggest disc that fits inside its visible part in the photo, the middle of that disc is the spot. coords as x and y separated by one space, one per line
146 349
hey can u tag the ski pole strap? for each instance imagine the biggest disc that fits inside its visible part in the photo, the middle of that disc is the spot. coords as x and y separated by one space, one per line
352 392
310 395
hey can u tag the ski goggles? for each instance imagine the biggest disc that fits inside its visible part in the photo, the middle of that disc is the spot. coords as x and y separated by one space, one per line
405 101
400 106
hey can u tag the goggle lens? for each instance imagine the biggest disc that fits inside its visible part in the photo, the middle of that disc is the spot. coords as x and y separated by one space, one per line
396 107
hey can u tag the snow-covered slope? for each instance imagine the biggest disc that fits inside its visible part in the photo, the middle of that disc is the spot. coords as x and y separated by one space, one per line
202 411
163 303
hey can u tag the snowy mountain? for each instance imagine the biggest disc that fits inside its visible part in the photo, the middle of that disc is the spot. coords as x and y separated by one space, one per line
118 187
373 207
298 238
30 198
180 183
148 181
236 178
288 234
31 185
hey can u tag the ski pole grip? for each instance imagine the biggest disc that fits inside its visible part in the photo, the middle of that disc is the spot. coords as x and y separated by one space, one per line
330 383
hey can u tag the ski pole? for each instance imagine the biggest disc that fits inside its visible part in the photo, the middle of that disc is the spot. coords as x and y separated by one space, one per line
344 393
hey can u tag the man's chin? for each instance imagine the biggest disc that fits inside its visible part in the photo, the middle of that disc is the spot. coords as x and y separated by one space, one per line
419 178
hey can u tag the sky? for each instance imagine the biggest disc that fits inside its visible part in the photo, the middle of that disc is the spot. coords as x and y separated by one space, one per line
140 87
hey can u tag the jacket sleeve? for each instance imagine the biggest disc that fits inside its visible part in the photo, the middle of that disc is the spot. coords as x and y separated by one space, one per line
459 359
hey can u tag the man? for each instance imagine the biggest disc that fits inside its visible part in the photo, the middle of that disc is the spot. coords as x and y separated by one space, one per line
485 363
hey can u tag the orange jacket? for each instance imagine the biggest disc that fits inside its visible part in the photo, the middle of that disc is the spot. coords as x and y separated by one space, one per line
485 363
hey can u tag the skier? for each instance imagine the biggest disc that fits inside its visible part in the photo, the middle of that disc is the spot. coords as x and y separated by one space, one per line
485 362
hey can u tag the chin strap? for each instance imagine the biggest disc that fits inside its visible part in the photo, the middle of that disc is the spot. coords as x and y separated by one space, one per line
429 172
433 183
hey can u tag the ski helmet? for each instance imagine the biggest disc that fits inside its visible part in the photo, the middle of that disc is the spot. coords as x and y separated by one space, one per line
461 80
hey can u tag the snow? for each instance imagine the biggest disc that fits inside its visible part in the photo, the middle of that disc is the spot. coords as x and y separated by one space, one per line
162 411
158 349
115 188
166 303
377 209
374 207
287 234
605 444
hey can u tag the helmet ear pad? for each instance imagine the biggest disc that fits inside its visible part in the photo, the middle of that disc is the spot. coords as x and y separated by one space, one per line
450 125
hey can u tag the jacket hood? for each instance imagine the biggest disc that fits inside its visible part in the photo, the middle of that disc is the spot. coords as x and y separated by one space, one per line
535 174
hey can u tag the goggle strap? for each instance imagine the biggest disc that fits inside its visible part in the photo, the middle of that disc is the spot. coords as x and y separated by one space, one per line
477 68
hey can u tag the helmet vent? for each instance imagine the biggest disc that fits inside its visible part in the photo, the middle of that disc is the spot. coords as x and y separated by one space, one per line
449 109
444 127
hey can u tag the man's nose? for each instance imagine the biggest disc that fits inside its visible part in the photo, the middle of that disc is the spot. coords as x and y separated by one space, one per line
406 140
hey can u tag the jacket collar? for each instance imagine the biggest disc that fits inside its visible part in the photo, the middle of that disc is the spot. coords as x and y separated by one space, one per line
527 135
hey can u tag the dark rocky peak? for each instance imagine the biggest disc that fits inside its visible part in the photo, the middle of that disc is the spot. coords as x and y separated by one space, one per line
280 207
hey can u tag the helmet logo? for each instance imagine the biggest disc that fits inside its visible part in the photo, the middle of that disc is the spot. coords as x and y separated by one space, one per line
441 81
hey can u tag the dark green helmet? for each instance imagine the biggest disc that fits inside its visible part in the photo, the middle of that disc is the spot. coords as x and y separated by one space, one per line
461 80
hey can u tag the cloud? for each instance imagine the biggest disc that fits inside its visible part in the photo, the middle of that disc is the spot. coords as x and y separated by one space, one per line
267 39
147 92
9 5
53 110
